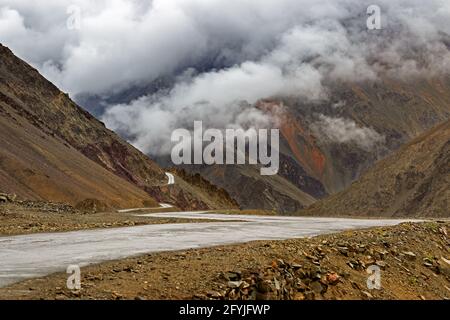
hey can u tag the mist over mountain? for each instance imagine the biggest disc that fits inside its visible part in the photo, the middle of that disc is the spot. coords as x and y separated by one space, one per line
343 95
218 54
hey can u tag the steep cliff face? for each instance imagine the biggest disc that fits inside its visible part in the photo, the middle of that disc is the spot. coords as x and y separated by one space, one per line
54 150
412 182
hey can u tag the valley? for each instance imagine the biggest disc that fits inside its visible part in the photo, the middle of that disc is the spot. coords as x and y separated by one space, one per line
136 173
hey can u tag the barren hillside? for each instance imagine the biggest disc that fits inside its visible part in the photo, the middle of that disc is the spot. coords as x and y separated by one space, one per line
54 150
412 182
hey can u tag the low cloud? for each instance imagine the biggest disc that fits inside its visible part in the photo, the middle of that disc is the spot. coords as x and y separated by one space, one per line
341 130
224 55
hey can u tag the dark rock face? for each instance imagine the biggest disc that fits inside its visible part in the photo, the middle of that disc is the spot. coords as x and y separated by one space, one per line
293 172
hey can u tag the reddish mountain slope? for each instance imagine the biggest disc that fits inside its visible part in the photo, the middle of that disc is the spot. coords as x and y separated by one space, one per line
412 182
326 145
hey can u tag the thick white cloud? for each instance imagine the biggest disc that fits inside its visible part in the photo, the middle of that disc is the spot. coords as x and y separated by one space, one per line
269 48
343 130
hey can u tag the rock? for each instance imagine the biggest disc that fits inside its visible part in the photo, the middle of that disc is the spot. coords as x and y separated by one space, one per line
139 298
4 197
280 263
316 287
409 255
302 274
332 278
356 265
381 264
444 267
244 285
277 284
446 261
263 286
232 275
214 294
367 294
234 284
355 285
76 293
309 295
343 251
299 296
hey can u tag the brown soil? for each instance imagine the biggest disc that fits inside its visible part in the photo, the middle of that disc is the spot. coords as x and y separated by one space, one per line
35 217
411 257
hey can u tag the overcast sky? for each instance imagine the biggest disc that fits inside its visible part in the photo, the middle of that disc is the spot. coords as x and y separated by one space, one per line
261 48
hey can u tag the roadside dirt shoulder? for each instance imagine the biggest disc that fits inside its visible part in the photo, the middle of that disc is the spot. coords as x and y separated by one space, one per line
413 259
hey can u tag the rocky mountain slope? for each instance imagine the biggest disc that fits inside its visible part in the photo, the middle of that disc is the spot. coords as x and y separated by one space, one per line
54 150
412 182
327 144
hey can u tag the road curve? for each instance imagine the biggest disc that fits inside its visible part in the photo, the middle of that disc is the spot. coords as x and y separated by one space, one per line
171 178
36 255
161 206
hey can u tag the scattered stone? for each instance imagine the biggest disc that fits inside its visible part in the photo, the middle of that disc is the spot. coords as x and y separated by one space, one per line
409 255
214 294
316 287
4 197
343 251
332 278
367 294
232 276
234 284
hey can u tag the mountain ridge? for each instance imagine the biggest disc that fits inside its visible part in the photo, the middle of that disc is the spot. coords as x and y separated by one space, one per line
39 106
414 181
